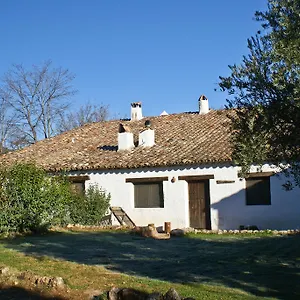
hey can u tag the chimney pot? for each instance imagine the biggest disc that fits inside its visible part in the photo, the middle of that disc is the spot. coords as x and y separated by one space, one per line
125 138
148 124
146 137
136 111
203 105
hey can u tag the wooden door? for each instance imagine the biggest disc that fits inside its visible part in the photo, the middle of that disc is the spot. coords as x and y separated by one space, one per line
199 205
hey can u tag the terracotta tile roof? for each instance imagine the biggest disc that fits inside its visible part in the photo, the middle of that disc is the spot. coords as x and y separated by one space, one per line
181 139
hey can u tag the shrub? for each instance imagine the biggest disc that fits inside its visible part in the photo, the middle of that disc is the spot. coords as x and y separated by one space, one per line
32 200
88 209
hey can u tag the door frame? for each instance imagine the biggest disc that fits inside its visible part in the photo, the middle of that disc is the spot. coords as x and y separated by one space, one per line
206 180
207 202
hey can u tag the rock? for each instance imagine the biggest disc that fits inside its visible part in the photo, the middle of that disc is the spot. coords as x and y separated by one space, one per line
45 280
127 294
57 282
150 231
155 296
113 293
160 229
28 276
5 271
54 282
132 294
177 232
40 280
189 230
172 295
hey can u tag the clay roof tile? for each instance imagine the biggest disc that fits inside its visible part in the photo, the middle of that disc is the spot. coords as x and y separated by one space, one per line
180 139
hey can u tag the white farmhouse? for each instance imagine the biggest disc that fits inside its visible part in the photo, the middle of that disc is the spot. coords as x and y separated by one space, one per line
171 168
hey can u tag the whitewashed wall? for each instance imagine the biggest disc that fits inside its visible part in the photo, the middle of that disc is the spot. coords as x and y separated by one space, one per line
228 203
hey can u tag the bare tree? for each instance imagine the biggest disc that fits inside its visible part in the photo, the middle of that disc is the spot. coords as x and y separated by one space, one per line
7 125
37 97
86 113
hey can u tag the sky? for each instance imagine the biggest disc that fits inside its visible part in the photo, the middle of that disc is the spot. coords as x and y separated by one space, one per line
162 53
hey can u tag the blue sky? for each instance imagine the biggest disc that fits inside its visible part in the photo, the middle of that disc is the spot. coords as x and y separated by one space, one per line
163 53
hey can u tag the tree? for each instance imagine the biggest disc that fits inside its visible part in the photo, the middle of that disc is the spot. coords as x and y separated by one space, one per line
85 114
265 92
7 125
37 97
283 22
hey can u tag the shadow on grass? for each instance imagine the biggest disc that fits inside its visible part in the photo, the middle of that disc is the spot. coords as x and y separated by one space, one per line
263 266
9 293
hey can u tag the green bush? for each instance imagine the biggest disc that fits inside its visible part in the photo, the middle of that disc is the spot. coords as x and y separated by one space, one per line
88 209
32 200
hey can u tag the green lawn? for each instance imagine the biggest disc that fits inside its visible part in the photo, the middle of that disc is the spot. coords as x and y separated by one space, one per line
202 266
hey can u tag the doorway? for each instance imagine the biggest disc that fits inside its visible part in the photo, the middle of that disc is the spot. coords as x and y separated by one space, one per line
199 204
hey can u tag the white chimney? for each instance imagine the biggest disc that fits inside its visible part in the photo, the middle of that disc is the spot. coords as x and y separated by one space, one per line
125 138
136 111
146 137
203 105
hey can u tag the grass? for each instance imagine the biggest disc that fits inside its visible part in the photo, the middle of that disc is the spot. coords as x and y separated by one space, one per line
199 266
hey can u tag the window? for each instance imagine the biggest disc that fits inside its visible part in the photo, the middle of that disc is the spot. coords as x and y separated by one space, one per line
78 183
258 191
78 187
147 195
148 192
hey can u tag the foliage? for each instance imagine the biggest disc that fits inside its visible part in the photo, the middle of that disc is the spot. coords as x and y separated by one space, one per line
88 209
283 22
32 200
264 90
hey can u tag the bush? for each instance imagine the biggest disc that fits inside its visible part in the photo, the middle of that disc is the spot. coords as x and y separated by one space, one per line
88 209
32 200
